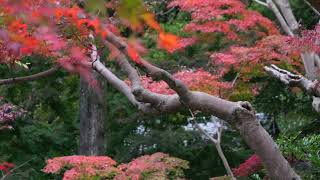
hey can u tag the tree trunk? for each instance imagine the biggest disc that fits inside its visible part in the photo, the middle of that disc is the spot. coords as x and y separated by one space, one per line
264 146
92 116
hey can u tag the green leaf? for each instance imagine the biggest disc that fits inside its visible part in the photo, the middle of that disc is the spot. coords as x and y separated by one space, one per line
131 11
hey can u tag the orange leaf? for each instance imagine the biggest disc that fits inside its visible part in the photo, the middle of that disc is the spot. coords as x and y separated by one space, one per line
59 13
95 24
73 12
132 53
104 34
168 41
82 22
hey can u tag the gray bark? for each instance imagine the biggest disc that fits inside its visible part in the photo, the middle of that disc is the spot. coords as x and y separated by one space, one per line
92 117
238 114
311 87
287 13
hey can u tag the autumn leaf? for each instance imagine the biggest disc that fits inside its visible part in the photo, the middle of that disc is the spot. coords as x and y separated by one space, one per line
168 41
133 54
59 13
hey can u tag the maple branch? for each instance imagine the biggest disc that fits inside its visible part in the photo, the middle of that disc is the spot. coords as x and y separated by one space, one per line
288 78
115 81
161 103
29 78
239 114
144 100
110 77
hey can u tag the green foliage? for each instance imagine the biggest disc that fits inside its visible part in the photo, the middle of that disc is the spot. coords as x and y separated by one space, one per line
304 151
131 10
306 148
305 14
49 127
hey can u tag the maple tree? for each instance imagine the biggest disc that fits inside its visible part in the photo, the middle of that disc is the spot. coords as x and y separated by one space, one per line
73 38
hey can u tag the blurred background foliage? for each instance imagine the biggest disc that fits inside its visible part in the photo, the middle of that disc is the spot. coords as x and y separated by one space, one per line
50 128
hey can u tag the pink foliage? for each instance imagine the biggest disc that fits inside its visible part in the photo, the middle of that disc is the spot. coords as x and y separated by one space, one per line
200 80
210 16
78 62
308 41
158 164
53 42
80 166
43 33
250 166
272 49
5 167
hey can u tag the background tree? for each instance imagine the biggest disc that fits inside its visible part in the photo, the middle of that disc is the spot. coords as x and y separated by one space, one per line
75 59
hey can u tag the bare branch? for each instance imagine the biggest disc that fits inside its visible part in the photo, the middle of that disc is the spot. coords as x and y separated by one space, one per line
29 78
115 81
287 13
288 78
261 3
280 18
143 99
216 143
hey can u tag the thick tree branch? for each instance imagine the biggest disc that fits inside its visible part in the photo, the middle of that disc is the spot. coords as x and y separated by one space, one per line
288 78
287 13
115 81
29 78
280 18
144 100
238 114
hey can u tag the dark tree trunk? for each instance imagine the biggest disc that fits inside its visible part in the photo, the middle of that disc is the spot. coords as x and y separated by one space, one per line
92 116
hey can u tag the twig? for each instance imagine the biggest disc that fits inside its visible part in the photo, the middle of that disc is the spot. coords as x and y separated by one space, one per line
216 142
313 9
261 3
